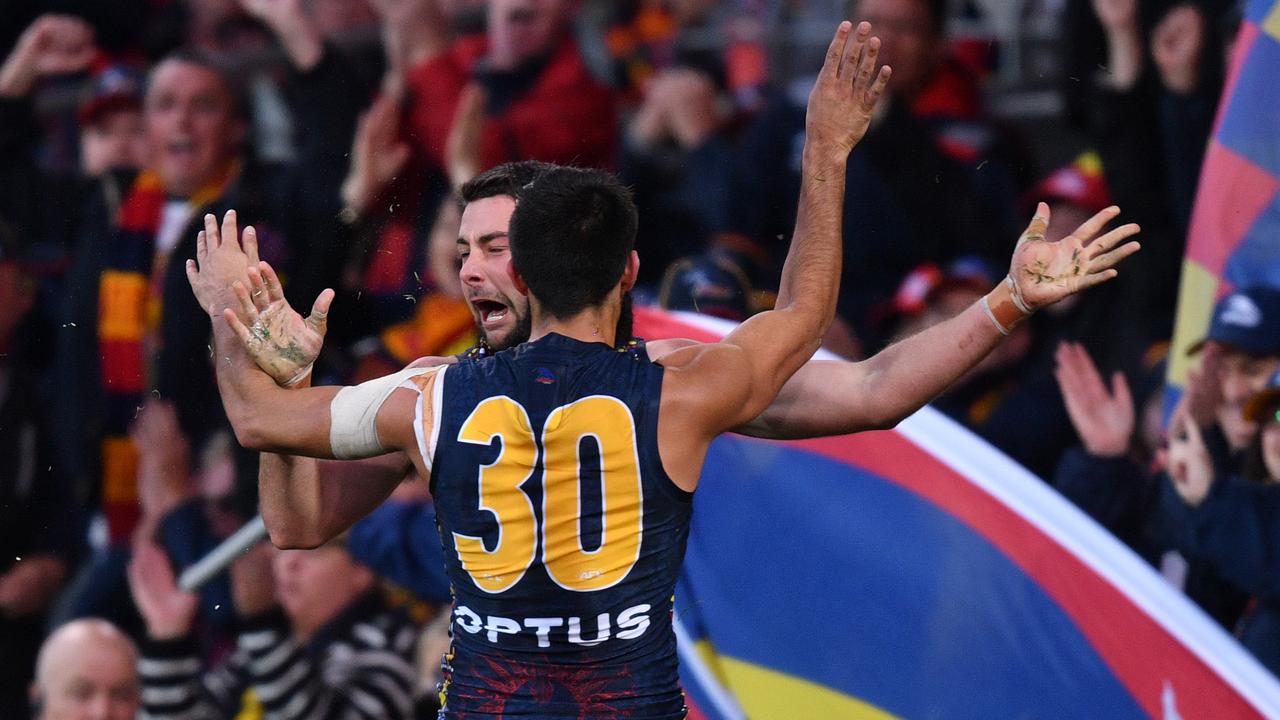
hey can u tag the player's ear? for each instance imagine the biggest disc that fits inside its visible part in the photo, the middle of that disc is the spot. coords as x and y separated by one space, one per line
631 272
521 285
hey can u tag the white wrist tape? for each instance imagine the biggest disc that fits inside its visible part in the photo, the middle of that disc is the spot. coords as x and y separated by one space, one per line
353 424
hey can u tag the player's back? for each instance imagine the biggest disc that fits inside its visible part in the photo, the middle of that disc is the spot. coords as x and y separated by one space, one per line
563 535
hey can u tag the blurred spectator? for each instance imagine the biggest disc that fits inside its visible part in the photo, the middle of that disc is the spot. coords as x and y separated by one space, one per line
316 640
679 161
645 38
1114 478
901 181
710 285
943 94
1106 322
39 517
131 326
1110 474
189 514
1239 355
1232 520
433 647
676 151
396 541
35 205
87 669
113 136
1151 112
541 103
451 107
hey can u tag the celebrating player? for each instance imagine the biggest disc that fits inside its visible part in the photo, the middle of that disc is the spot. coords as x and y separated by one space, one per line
564 467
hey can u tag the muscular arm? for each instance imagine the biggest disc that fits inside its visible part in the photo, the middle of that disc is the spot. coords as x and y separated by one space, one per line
838 397
265 416
831 397
305 502
835 398
736 379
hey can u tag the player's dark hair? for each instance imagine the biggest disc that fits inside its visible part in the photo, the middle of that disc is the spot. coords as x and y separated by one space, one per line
571 234
505 179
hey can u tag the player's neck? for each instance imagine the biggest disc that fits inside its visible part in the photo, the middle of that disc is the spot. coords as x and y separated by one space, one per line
597 324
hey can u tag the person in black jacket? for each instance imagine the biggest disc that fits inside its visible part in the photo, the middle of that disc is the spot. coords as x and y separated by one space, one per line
38 538
1232 522
128 326
1151 109
1113 476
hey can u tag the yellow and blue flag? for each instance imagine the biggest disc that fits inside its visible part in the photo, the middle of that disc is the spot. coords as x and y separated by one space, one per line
1234 239
919 573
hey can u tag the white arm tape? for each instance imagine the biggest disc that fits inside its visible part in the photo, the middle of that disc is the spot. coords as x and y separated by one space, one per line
353 413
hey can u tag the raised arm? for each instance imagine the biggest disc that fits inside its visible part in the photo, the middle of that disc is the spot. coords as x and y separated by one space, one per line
264 416
732 381
834 398
304 501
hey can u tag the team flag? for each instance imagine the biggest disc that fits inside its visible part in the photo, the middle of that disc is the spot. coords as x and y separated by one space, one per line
919 573
1234 240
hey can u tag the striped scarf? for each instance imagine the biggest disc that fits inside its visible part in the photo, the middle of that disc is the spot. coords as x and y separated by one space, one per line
130 288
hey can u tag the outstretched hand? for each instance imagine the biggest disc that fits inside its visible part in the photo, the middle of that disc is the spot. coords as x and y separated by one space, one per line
220 262
283 343
167 609
1043 272
845 95
1103 419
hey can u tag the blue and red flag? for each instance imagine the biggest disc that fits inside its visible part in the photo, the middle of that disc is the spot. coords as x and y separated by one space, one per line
920 573
1234 239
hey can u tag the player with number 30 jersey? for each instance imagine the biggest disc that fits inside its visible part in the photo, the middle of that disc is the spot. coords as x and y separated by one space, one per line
563 535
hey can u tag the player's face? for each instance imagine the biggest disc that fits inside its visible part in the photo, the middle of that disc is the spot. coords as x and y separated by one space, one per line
501 311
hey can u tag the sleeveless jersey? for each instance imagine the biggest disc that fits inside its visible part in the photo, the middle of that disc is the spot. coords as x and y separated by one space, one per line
563 535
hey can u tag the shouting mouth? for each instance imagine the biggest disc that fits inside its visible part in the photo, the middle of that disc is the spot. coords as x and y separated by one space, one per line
491 312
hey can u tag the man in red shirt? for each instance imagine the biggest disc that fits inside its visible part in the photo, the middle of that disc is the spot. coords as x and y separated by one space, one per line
540 101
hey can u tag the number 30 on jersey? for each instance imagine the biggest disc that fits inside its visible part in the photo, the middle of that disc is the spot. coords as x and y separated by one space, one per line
609 422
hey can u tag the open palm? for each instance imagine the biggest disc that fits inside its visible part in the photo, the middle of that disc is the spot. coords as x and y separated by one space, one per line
1103 418
282 342
167 610
1044 272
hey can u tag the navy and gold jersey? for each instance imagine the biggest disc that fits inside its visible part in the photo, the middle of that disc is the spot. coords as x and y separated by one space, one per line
563 535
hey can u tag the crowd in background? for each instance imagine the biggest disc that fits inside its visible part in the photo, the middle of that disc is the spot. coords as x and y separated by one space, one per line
341 129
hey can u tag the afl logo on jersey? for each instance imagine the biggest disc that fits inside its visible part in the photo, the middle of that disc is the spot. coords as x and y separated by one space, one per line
544 376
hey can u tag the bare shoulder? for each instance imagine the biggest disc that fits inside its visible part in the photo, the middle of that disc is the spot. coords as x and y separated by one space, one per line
708 376
693 358
658 349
